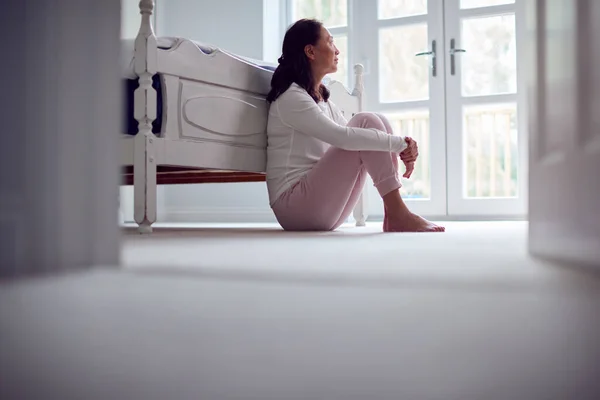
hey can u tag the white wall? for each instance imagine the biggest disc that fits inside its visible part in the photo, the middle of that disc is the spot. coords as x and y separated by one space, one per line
130 18
235 25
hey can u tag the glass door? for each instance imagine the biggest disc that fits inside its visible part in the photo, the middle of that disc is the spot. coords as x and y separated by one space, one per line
401 43
335 15
486 146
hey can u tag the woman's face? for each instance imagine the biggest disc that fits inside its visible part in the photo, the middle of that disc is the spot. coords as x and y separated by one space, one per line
324 55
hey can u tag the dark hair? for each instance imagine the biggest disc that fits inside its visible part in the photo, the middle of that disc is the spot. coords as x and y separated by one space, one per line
294 66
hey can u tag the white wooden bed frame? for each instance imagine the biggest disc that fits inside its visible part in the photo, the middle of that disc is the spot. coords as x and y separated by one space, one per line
214 115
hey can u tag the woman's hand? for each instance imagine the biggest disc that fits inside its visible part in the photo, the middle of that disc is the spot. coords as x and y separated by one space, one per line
409 156
411 153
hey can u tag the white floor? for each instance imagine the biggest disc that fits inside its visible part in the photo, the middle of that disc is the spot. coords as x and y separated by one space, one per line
469 252
251 312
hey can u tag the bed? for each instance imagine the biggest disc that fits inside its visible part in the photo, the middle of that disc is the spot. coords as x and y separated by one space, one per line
197 114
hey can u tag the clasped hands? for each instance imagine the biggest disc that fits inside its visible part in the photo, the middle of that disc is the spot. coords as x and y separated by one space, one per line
409 156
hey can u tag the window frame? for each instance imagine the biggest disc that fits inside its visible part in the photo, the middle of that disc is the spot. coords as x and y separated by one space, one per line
347 31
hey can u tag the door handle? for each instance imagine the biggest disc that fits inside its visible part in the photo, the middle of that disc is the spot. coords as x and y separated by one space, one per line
433 57
453 51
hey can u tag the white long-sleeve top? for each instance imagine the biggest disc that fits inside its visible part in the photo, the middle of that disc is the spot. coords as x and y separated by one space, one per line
299 132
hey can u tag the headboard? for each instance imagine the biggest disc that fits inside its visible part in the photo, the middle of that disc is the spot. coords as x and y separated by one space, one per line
349 103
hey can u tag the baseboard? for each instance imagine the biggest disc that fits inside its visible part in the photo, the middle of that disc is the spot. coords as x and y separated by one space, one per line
219 214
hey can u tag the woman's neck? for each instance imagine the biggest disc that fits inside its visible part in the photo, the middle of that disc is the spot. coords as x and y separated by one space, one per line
318 79
318 88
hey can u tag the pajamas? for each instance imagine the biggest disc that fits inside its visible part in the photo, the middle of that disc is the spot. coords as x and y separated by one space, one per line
323 198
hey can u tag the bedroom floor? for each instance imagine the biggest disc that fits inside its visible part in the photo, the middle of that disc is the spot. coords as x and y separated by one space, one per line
469 252
248 311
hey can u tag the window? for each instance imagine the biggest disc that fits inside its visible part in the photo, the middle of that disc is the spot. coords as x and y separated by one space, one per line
334 15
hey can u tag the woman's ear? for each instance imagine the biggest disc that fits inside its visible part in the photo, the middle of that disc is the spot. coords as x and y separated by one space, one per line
309 50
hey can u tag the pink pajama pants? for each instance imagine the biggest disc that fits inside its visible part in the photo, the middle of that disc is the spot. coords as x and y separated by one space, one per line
327 194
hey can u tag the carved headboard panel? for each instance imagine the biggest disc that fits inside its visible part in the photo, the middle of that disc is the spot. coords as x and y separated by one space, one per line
346 102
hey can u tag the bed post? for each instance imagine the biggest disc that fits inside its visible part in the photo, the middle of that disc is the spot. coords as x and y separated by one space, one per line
360 210
144 160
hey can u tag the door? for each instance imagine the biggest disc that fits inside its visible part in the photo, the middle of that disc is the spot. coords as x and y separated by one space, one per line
486 140
563 87
401 44
445 72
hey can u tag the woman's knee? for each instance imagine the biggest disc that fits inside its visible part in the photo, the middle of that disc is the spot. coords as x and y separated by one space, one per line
386 123
366 119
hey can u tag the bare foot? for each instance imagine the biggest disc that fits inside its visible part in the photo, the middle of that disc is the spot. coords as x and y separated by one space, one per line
410 223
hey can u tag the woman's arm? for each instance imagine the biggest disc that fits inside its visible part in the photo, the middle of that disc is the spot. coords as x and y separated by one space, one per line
337 114
299 111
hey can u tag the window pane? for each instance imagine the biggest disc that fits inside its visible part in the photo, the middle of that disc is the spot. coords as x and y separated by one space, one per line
341 42
489 65
401 8
403 77
331 12
415 123
490 143
483 3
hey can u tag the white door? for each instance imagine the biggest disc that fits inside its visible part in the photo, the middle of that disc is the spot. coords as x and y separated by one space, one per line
486 140
563 87
401 44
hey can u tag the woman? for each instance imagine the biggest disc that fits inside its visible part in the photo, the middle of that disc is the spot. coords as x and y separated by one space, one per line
316 160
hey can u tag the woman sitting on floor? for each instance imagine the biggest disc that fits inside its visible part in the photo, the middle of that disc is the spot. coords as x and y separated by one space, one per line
316 160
